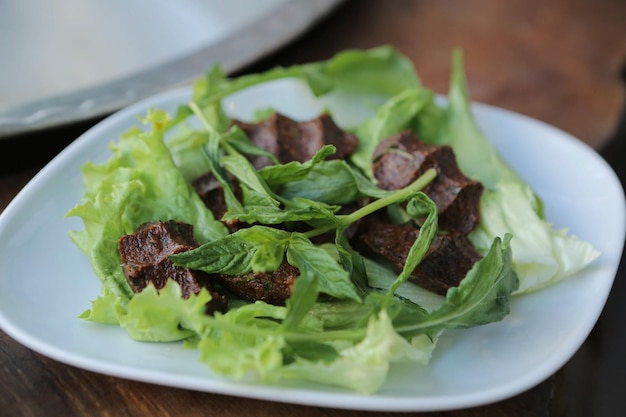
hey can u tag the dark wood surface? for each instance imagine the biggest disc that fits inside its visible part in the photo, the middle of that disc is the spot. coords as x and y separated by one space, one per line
557 61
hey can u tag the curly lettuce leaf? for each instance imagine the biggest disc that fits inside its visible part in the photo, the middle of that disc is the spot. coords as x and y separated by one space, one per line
363 367
138 183
163 315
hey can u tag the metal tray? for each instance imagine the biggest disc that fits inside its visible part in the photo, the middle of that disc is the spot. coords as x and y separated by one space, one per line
69 60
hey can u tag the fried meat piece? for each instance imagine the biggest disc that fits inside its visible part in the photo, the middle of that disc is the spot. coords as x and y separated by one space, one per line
271 287
402 158
445 264
290 140
145 260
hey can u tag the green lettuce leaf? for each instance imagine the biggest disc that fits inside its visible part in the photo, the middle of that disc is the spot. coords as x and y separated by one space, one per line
245 341
163 315
349 71
363 367
541 255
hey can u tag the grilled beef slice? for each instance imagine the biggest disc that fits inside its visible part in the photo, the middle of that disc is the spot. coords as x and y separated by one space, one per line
271 287
402 158
445 264
290 140
145 259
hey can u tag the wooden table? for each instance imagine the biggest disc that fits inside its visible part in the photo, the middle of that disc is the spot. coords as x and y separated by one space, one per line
557 61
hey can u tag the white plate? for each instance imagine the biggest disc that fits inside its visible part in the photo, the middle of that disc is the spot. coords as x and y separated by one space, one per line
46 282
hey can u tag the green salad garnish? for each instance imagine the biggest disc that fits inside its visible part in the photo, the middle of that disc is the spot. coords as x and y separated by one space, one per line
349 317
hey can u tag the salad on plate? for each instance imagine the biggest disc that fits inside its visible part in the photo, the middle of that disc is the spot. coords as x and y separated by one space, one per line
321 249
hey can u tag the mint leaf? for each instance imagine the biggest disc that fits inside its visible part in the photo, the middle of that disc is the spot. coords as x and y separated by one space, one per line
276 175
315 261
258 249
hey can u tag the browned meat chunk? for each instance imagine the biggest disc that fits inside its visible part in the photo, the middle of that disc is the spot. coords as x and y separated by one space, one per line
445 264
290 140
323 131
145 259
271 287
402 158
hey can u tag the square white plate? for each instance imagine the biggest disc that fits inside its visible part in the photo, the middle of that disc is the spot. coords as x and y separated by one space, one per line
46 282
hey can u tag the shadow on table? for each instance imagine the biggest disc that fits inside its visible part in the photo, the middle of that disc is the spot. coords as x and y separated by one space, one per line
595 378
